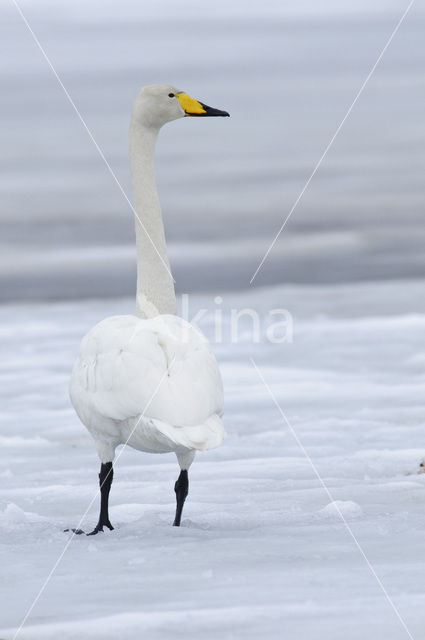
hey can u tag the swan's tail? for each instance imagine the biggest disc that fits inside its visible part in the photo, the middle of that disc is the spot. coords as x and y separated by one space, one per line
204 436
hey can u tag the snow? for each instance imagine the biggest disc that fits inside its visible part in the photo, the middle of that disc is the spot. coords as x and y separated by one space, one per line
262 550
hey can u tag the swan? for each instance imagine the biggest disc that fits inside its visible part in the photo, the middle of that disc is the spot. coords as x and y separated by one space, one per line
149 380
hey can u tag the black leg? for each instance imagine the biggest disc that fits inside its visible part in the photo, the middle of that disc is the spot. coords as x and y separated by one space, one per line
182 489
105 480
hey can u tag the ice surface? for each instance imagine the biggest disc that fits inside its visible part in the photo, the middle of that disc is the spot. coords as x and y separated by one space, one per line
287 73
262 551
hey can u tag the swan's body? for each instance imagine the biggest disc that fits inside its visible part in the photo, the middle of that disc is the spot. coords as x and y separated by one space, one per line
149 380
158 373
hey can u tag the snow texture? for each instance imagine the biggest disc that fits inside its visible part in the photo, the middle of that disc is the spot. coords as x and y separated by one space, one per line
262 551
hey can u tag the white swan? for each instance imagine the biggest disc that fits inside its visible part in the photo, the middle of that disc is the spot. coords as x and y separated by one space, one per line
149 380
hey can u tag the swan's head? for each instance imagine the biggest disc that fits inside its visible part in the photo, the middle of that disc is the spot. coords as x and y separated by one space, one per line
158 104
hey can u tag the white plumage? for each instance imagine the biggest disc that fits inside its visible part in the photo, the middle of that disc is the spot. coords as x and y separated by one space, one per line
155 376
149 380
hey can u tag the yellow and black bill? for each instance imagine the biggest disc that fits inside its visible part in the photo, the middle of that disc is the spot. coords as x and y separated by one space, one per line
192 107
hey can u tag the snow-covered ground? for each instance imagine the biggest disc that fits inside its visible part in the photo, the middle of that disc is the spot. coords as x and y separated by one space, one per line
262 552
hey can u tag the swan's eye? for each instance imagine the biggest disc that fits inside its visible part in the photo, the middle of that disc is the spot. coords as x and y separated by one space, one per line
171 95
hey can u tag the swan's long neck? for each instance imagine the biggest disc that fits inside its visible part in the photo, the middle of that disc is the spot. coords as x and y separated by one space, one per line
155 287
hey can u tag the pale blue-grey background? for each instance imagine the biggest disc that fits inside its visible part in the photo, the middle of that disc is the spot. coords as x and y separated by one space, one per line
287 72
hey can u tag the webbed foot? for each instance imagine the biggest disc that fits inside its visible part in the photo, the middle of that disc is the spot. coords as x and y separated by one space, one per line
99 527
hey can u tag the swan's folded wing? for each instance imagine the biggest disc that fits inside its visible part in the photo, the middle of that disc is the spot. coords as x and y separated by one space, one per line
161 368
